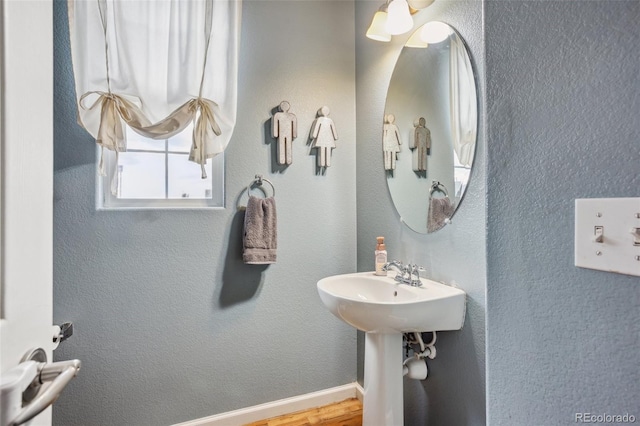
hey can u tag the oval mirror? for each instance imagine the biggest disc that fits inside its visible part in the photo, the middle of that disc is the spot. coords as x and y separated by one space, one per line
430 127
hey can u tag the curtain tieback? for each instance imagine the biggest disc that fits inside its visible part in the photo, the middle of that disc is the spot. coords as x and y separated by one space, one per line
115 110
205 128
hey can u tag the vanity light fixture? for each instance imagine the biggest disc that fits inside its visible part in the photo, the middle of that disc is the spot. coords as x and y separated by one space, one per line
377 29
399 20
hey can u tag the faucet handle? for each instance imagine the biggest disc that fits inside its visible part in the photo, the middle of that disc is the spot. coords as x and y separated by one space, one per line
415 270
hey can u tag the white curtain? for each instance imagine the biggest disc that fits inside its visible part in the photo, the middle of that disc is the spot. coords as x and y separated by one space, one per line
462 102
156 66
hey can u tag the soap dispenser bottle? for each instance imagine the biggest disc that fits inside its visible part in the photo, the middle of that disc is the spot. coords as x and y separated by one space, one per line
381 257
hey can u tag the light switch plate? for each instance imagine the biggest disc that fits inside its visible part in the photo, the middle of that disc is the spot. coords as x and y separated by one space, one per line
613 219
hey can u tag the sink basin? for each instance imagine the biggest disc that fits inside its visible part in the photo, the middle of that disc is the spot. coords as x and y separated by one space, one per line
379 304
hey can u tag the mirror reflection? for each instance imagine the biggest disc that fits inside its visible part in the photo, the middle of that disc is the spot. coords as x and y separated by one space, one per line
430 127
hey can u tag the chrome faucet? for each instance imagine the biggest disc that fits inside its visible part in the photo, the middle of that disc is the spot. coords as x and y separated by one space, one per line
405 273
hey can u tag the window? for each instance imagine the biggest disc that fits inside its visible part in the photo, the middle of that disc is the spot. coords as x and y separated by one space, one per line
158 174
143 67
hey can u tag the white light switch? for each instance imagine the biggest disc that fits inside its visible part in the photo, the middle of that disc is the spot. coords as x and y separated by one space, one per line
636 236
598 232
606 234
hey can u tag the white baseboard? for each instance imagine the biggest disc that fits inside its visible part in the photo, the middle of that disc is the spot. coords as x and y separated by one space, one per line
280 407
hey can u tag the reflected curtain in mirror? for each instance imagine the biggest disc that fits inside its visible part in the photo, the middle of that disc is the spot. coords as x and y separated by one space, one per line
462 101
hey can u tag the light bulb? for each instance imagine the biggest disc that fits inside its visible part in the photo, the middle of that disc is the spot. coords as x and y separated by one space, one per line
377 30
416 41
420 4
399 20
435 32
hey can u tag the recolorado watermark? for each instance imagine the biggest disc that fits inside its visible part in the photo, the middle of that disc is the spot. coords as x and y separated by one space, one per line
604 418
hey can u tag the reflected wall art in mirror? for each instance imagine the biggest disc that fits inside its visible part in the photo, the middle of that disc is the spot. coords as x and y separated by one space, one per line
430 127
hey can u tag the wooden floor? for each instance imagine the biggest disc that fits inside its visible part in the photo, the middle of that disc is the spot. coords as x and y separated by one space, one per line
345 413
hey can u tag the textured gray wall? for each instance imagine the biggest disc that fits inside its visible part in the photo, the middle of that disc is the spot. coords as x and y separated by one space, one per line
169 323
563 95
454 393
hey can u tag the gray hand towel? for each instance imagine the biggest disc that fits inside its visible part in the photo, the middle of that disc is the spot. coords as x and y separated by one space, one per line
260 231
440 209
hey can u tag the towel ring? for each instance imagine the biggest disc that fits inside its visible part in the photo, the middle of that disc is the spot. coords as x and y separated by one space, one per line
437 186
258 182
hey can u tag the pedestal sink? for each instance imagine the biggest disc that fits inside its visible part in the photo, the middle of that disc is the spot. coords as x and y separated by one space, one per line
384 309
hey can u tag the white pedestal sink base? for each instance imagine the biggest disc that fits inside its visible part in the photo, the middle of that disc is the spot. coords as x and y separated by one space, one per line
383 399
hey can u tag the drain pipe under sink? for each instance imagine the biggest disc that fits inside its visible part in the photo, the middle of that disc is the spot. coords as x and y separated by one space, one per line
415 367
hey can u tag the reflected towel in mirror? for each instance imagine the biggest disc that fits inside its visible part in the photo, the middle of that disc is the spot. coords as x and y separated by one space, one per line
440 209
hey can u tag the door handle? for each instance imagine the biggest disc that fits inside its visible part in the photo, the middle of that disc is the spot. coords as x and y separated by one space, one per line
22 396
59 374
